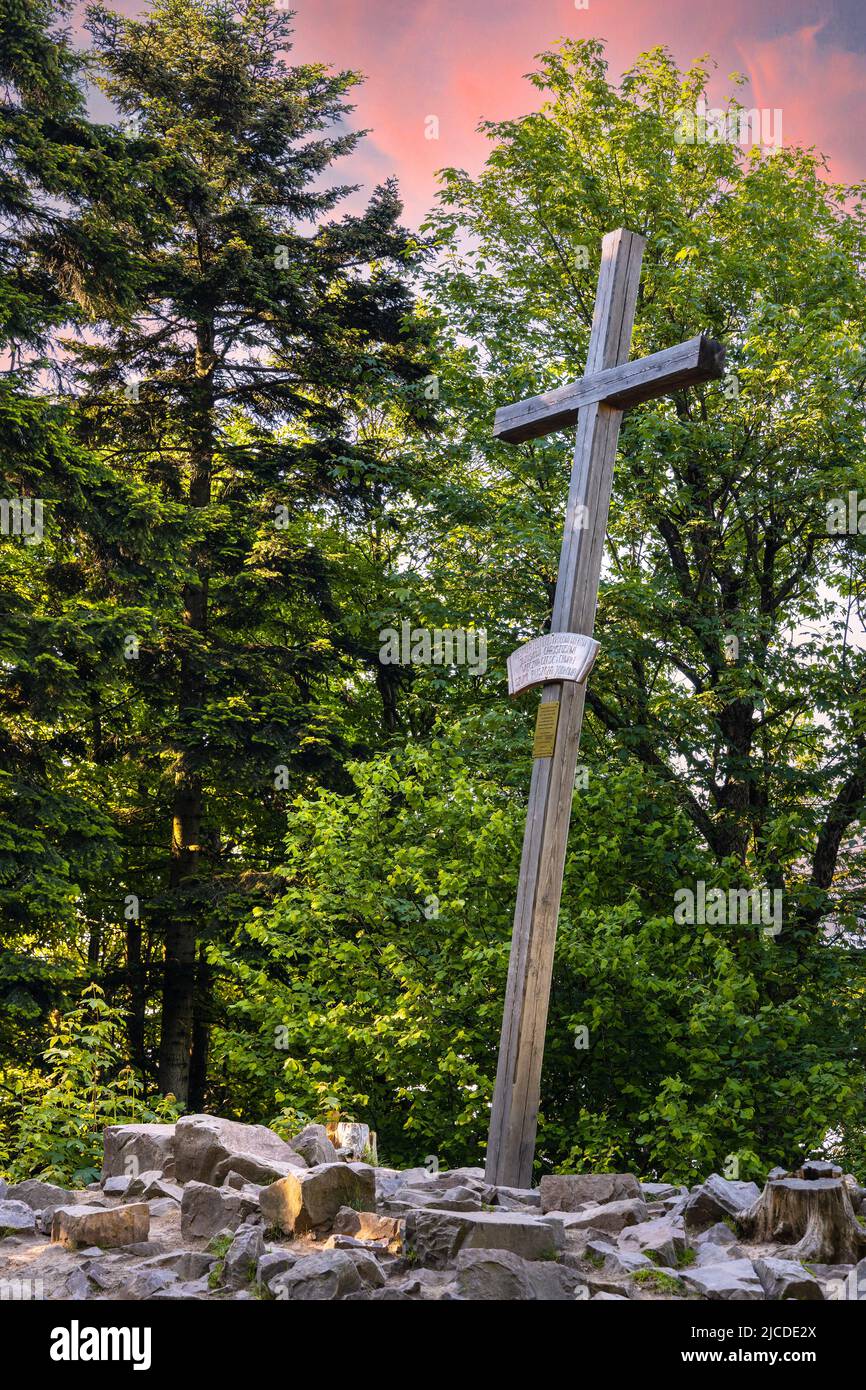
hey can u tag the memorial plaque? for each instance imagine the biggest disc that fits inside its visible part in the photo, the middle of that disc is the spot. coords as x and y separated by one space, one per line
558 656
545 729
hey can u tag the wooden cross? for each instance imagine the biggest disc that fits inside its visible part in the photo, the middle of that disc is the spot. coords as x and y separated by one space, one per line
595 403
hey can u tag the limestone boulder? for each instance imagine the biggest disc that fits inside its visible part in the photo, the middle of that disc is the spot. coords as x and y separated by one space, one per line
367 1225
716 1199
205 1210
41 1196
151 1185
242 1258
735 1281
787 1279
330 1275
434 1237
311 1197
107 1227
663 1241
272 1264
314 1146
571 1191
16 1218
208 1149
611 1216
132 1149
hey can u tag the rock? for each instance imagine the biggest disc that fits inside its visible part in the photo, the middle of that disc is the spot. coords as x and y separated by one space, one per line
303 1200
366 1225
434 1237
492 1276
608 1298
659 1191
150 1185
314 1146
715 1199
735 1281
318 1278
116 1187
146 1283
407 1199
107 1227
77 1286
711 1254
615 1263
194 1289
368 1267
207 1210
455 1199
339 1242
184 1264
242 1258
163 1206
571 1191
612 1217
132 1149
272 1263
783 1279
661 1240
517 1198
599 1281
16 1218
208 1149
409 1177
719 1234
41 1196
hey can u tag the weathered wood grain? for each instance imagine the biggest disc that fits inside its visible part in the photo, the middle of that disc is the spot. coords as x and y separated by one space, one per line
691 363
596 403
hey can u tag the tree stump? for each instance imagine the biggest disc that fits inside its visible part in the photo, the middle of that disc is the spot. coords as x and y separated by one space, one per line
814 1213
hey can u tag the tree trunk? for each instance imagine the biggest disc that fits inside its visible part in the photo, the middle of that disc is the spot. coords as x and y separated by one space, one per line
135 979
814 1219
201 1022
188 806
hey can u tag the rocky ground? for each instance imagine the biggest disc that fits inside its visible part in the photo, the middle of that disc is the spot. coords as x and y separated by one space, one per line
211 1209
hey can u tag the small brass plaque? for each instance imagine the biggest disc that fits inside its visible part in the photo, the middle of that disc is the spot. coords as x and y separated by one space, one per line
545 730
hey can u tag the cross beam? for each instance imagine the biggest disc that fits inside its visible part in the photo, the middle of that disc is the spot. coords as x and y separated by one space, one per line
688 364
596 402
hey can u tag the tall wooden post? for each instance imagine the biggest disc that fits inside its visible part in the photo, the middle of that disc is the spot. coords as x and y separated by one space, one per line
597 402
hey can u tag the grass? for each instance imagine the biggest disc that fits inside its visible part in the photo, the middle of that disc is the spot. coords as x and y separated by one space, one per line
219 1246
657 1279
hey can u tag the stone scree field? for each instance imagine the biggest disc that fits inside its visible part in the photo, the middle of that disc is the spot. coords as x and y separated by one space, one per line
212 1209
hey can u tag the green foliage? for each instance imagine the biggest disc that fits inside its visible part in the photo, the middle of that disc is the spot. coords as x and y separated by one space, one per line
57 1135
658 1281
347 988
340 934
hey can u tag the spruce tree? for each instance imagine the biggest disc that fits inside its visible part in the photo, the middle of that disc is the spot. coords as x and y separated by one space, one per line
262 332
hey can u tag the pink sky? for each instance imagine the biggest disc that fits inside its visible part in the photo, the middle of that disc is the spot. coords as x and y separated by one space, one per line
464 60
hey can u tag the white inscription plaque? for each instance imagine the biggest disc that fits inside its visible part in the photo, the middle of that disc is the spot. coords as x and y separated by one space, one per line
558 656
